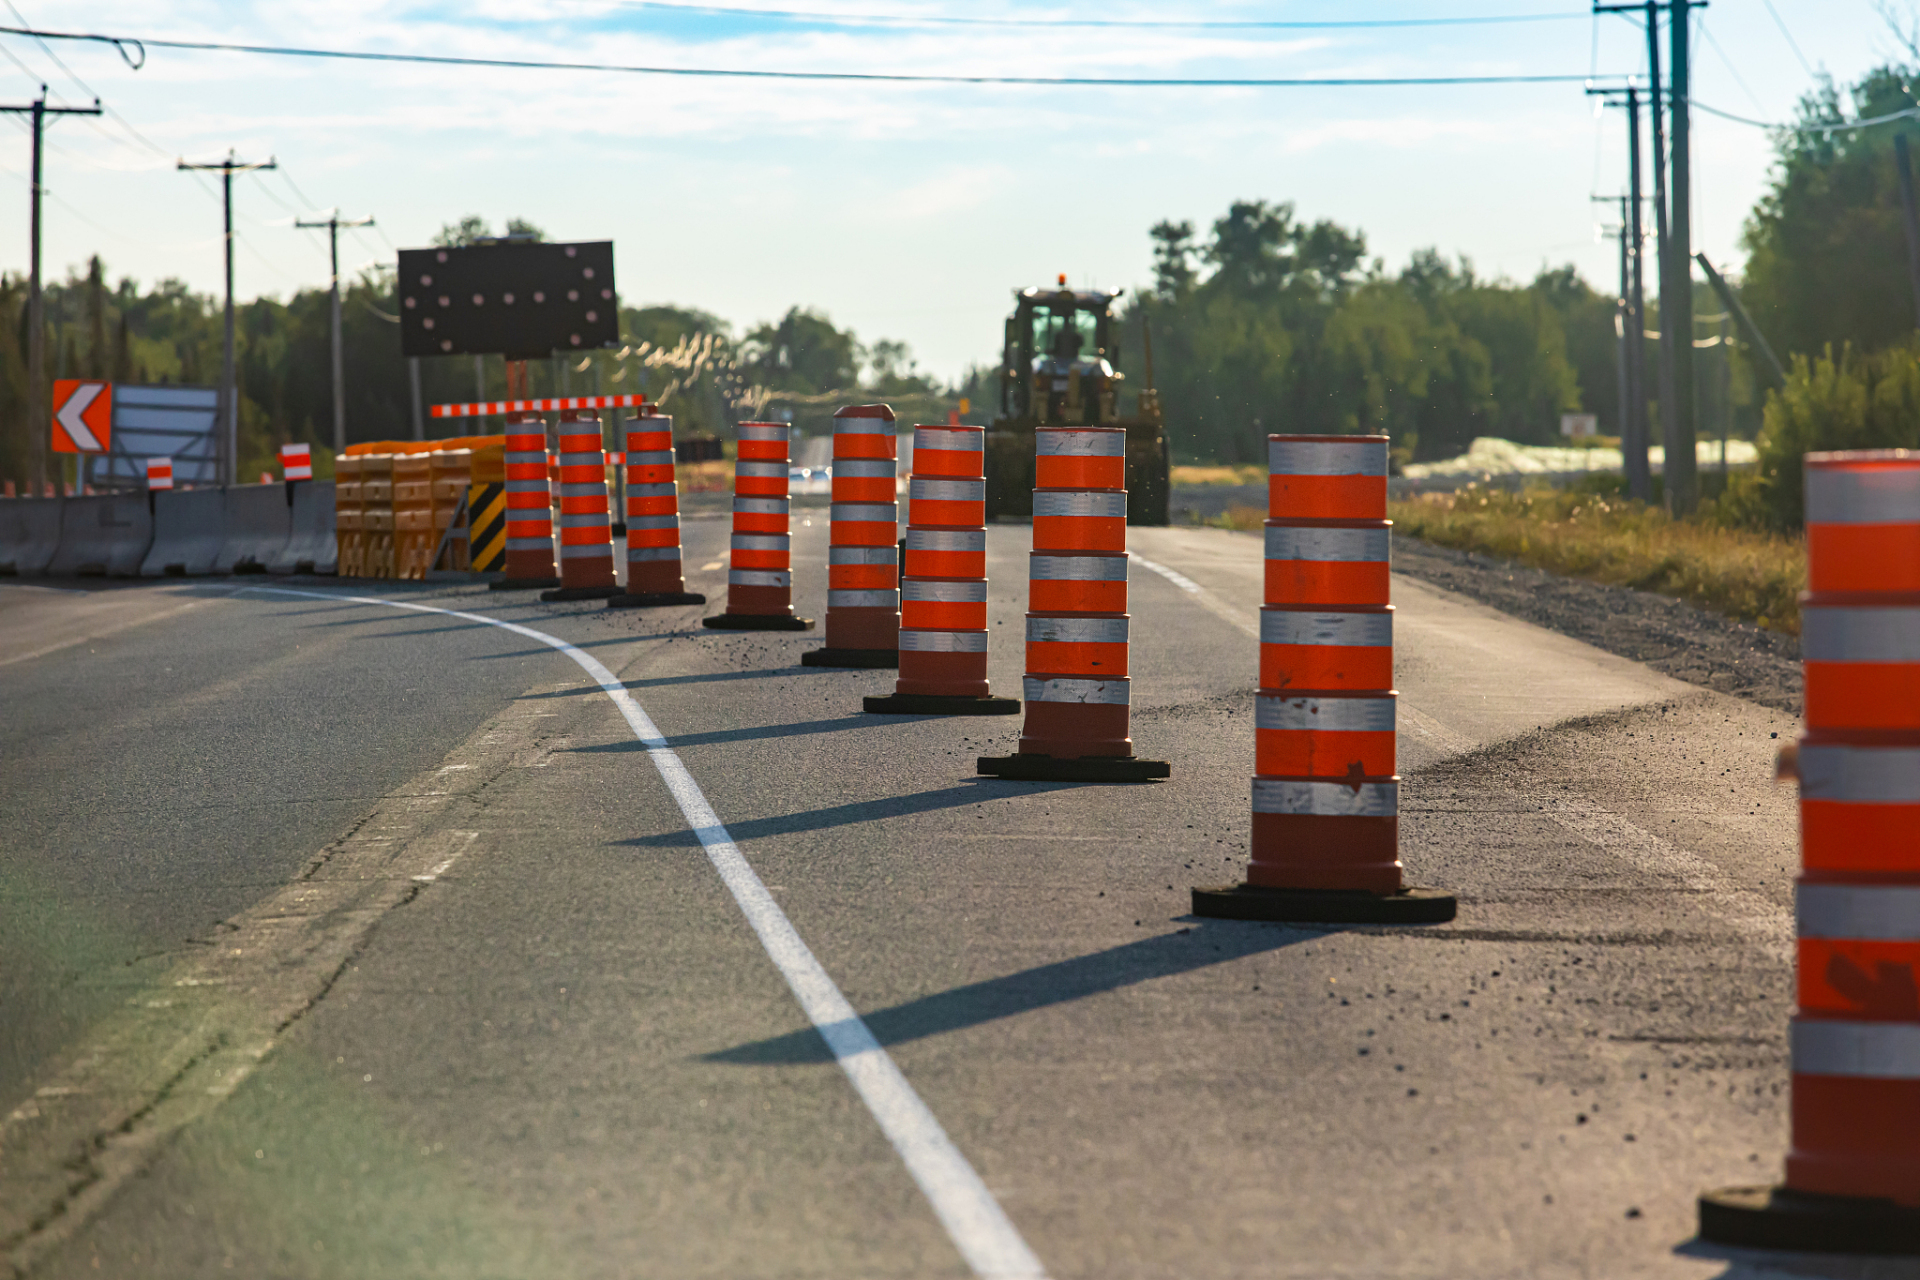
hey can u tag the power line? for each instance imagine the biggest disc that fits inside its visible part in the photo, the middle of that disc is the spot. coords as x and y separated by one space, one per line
912 20
528 64
1836 126
1793 44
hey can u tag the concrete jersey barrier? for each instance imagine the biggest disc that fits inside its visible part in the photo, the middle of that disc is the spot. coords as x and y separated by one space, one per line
311 545
188 532
256 521
29 534
105 535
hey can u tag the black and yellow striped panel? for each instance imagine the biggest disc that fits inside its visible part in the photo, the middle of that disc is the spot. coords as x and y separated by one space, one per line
487 520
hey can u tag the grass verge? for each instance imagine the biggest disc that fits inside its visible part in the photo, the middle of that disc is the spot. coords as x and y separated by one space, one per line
1755 577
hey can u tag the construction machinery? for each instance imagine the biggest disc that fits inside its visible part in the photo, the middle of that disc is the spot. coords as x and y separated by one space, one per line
1058 369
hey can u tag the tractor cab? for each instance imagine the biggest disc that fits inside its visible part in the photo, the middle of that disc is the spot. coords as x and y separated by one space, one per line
1057 369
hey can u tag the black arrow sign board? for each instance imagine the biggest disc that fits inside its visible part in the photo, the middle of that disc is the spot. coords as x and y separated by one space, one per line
519 300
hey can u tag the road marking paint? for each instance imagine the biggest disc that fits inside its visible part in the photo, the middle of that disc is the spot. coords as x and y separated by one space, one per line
973 1219
465 838
103 632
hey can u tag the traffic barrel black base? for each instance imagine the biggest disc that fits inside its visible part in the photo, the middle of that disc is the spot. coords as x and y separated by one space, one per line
1324 906
654 599
579 593
929 704
850 658
757 622
522 584
1024 767
1776 1218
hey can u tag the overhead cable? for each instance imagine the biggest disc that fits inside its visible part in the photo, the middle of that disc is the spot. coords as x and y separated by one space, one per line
528 64
1130 24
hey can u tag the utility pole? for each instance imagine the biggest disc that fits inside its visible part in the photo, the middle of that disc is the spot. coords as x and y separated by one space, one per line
1676 282
1634 431
333 223
38 404
229 383
413 379
1905 165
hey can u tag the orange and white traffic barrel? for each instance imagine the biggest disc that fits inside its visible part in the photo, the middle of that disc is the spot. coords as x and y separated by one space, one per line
1077 688
1326 791
1853 1171
760 561
530 559
586 516
943 588
863 553
296 462
159 474
656 574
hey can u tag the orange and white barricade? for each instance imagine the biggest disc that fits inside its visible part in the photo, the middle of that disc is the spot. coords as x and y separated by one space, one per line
586 520
296 462
863 553
943 587
1853 1172
1077 689
159 474
1326 793
530 559
760 563
656 575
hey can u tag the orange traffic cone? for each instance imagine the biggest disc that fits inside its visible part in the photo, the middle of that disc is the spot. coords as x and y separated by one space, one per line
863 556
529 506
586 523
1077 690
943 590
760 572
1853 1173
655 575
1326 798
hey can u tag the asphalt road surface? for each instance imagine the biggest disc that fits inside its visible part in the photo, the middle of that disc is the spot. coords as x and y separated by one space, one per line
344 939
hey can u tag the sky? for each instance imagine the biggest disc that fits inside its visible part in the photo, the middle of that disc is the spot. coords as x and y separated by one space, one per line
902 211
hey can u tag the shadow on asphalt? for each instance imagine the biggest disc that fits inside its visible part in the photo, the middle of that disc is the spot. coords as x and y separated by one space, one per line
1762 1264
733 735
1209 943
840 815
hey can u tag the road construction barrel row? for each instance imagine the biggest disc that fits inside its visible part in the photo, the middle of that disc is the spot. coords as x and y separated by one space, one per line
943 590
655 564
586 516
529 502
760 570
1856 1034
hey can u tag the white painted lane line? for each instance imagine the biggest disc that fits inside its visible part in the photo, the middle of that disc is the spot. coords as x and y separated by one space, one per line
973 1219
1213 604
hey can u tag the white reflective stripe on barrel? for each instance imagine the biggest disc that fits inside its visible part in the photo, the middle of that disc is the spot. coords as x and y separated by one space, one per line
659 458
583 519
652 553
1111 693
1058 502
862 599
1860 775
594 459
759 578
653 522
586 551
1885 1050
530 458
1077 568
865 468
1327 799
1882 495
1080 444
1296 542
756 506
764 431
669 489
1829 634
963 591
760 470
862 424
931 489
943 641
1045 630
1327 457
1302 626
760 542
1868 912
527 486
938 438
530 544
889 554
865 511
582 489
1332 715
946 539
